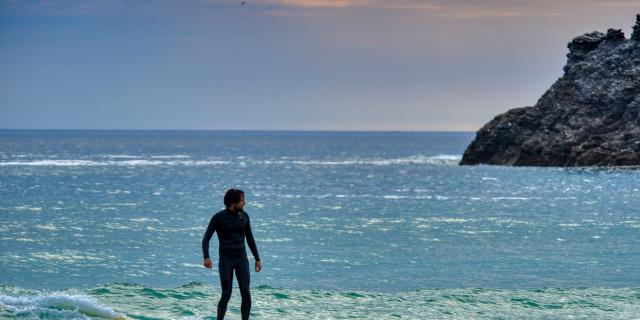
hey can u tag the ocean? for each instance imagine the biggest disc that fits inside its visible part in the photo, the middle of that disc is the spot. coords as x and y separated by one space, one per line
364 225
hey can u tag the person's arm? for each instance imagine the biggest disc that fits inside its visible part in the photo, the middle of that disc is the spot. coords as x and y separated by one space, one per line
250 240
205 241
252 244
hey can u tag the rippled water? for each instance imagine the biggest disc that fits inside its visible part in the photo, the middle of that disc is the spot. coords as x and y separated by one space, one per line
348 224
195 301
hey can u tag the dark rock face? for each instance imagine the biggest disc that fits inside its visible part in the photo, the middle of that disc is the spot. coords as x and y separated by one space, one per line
589 117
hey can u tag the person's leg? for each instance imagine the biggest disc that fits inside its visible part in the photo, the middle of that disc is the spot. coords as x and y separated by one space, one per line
242 274
226 283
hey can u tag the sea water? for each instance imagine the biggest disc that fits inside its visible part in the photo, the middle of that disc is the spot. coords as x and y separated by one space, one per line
369 225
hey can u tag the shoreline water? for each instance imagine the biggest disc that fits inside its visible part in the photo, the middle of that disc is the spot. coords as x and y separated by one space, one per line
197 301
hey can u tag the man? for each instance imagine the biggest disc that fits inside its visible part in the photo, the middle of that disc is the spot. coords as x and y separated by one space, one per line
232 225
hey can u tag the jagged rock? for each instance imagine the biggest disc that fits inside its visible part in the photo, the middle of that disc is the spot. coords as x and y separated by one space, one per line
614 35
636 29
589 117
580 46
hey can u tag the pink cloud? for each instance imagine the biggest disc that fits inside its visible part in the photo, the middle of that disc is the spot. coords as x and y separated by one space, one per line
396 4
312 3
462 9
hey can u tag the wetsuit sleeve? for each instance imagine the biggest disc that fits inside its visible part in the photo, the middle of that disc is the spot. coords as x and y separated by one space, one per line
250 240
207 237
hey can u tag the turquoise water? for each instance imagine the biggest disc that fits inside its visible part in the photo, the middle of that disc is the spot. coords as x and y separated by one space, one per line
99 224
194 301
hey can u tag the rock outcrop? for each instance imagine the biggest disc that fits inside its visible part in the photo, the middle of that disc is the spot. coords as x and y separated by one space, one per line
589 117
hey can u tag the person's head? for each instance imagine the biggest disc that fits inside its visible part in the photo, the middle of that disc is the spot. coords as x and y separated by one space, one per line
234 199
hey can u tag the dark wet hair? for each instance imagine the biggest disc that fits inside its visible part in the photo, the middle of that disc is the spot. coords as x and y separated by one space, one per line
232 196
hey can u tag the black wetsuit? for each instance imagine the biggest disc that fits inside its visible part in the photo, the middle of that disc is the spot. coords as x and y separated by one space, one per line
232 228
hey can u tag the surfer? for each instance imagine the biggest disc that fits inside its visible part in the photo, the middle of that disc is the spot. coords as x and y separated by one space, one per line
232 226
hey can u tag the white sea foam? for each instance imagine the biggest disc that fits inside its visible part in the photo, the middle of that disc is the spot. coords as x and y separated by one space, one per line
56 305
276 240
126 156
510 198
476 232
48 226
143 219
28 208
61 163
507 221
92 163
121 156
176 156
192 265
394 197
372 221
442 159
450 220
182 160
68 256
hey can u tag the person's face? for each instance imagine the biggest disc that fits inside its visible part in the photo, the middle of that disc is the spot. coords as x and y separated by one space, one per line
240 204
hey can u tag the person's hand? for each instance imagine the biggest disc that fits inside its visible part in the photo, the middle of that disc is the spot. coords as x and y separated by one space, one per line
207 263
258 265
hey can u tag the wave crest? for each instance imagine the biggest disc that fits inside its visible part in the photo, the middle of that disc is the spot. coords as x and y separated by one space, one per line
56 305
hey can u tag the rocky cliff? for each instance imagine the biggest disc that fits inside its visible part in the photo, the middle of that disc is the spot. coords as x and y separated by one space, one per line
589 117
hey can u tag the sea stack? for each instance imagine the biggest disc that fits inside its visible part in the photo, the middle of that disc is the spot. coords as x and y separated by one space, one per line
589 117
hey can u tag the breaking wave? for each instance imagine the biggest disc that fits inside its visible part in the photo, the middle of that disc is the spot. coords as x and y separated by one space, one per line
53 305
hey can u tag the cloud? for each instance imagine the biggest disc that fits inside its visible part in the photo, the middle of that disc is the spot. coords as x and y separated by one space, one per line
393 4
454 9
312 3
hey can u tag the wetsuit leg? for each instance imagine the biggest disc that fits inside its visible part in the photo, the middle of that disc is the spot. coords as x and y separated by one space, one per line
225 269
242 274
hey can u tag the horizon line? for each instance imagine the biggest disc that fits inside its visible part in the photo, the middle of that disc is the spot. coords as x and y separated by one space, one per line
239 130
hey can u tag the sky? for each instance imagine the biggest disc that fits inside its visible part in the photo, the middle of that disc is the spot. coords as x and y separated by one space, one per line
346 65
